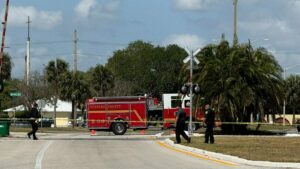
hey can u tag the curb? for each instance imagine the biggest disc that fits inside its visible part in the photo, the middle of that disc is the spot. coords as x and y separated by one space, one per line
233 159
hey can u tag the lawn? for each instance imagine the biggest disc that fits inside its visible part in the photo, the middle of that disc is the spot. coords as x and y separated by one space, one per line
259 148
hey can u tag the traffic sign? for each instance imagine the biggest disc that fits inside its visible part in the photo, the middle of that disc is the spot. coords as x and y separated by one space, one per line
192 54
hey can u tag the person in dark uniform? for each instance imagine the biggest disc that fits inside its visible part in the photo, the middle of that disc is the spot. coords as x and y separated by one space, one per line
210 123
33 116
180 125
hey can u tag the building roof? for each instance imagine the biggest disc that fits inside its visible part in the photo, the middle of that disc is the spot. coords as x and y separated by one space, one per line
61 106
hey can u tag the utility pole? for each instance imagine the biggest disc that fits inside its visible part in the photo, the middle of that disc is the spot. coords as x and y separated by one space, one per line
28 53
75 52
284 99
235 38
25 69
3 36
55 97
74 75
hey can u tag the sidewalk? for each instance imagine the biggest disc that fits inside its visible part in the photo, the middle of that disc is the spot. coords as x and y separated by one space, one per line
81 136
22 135
233 159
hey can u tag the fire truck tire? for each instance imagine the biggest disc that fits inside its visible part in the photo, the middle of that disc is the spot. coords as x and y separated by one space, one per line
118 128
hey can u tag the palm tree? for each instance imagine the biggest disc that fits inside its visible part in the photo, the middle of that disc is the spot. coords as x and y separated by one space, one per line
292 93
239 80
6 67
102 80
55 71
75 89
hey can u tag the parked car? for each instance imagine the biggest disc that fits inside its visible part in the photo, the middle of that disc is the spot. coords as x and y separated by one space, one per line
45 122
21 124
79 123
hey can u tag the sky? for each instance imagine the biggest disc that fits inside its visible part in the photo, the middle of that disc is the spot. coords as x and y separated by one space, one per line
104 26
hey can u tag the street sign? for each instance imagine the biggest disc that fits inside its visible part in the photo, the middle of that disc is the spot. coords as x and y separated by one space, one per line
15 94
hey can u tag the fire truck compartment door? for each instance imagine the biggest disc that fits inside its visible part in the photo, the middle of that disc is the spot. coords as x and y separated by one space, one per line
96 116
138 115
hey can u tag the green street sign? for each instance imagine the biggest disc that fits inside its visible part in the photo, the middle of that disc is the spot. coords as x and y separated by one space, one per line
15 94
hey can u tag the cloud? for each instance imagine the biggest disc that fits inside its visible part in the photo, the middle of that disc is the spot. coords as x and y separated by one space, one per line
84 7
192 4
185 40
271 25
37 60
93 9
40 19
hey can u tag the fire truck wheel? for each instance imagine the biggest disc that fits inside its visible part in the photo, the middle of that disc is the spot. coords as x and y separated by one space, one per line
119 128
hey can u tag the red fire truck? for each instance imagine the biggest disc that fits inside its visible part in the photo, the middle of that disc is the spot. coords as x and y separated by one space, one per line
136 112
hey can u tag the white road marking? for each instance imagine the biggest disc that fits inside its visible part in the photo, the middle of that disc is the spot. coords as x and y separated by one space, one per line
39 158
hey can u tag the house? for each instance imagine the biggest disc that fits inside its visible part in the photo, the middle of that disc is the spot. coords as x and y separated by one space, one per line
63 111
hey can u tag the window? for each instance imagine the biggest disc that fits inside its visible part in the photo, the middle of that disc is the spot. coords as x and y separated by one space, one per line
175 101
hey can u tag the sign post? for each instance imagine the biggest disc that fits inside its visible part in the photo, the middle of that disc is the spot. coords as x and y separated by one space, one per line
192 59
15 94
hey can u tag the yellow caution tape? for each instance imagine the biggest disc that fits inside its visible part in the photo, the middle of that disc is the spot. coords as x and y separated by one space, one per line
161 122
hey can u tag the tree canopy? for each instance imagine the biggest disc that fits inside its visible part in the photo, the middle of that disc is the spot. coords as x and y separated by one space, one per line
144 68
239 80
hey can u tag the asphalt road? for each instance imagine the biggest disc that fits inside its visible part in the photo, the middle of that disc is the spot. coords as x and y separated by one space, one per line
76 151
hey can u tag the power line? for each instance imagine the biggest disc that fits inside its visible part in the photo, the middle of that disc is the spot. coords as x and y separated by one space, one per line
93 42
44 56
41 43
90 54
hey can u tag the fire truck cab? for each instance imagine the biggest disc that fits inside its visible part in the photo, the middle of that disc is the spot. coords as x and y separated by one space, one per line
171 101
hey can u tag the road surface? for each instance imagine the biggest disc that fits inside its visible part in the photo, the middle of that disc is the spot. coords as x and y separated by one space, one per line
74 151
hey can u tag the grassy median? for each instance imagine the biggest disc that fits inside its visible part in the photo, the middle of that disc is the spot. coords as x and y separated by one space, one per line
259 148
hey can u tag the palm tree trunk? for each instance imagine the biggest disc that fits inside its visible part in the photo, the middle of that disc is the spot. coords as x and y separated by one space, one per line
55 104
294 111
73 114
273 116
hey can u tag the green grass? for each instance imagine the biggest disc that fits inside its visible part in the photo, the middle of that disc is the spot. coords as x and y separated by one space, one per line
271 127
276 149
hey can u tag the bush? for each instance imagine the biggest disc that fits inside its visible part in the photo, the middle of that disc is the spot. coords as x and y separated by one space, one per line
3 116
22 114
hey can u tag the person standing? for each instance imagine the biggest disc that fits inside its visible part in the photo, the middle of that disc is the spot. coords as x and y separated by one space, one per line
180 125
33 116
210 123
